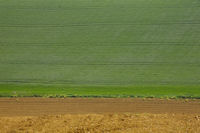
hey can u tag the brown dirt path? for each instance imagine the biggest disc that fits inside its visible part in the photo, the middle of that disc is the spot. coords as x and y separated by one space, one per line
44 106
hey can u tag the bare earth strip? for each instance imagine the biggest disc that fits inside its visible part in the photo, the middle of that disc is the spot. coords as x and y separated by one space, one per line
32 115
44 106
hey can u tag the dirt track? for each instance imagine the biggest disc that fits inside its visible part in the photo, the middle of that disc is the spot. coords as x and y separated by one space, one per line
44 106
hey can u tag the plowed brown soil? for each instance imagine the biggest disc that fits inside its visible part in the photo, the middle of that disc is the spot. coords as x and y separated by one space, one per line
44 115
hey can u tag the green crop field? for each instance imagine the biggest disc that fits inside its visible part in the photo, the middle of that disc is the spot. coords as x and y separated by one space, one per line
100 48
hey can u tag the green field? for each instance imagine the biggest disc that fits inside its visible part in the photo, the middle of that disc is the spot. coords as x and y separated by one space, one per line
100 48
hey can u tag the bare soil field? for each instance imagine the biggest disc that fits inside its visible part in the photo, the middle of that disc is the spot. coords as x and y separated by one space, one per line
42 115
103 123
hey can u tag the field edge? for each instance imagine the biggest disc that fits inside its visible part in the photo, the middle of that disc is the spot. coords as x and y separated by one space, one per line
62 91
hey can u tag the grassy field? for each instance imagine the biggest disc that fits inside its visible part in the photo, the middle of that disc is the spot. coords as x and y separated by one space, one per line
102 48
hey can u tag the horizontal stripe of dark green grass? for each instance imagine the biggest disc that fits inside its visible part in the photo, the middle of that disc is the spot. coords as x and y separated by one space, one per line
162 91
